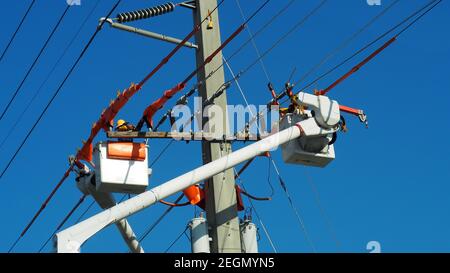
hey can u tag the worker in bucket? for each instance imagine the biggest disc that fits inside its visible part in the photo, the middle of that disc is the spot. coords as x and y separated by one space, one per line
123 126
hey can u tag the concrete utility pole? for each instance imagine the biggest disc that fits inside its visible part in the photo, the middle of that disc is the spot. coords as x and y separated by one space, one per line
220 197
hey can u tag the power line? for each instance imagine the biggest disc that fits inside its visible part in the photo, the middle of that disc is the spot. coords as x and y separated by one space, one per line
30 223
58 89
84 212
238 174
266 232
17 30
34 126
152 226
184 98
35 61
322 210
281 39
259 31
435 2
253 42
150 111
281 95
227 84
19 119
75 207
346 42
176 240
291 30
162 152
165 60
90 206
293 207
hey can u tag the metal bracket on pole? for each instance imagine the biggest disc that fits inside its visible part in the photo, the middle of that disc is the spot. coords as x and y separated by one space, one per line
147 33
188 4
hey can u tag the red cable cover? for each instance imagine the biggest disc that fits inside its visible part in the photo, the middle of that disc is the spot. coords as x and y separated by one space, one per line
357 67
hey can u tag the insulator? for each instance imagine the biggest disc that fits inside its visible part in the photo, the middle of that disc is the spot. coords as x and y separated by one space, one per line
145 13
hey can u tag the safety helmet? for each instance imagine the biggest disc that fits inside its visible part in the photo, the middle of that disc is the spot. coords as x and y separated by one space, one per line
120 122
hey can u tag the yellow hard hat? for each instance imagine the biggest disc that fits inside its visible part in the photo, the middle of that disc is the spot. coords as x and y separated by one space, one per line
120 122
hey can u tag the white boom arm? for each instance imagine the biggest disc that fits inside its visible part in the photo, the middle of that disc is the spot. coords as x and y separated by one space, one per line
71 239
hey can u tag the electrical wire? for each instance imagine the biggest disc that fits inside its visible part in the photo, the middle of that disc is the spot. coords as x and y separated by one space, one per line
17 29
435 2
90 206
77 205
272 190
258 53
35 61
291 30
165 60
170 204
237 176
224 86
158 221
176 240
43 206
299 218
35 95
162 152
263 226
345 43
293 207
227 84
323 212
84 212
270 161
66 174
281 95
260 30
150 111
57 91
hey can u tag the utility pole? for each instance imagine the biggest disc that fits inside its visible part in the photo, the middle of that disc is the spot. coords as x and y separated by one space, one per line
220 193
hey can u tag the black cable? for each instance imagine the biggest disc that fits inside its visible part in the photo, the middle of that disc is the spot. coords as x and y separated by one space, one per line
418 18
19 119
152 226
293 28
89 207
269 174
75 207
345 43
59 88
255 197
17 29
85 211
34 62
293 207
176 240
162 152
239 178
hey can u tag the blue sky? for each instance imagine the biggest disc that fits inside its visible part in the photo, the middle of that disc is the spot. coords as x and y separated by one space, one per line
389 183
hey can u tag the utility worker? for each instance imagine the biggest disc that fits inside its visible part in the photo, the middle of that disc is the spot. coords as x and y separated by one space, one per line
123 126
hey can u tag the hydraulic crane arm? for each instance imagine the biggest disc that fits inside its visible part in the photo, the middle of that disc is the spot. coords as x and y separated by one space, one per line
71 239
